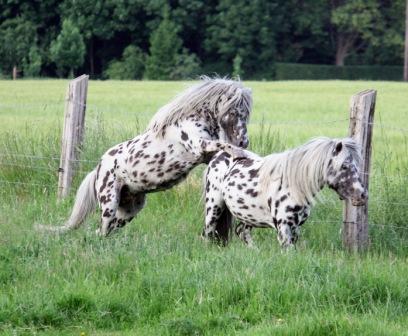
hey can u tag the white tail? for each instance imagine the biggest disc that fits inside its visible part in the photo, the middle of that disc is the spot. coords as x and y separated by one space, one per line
85 202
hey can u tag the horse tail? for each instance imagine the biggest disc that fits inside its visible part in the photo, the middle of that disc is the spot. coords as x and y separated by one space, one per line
224 226
85 202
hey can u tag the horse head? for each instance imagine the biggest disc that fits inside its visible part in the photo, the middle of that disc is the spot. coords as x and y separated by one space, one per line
233 120
344 174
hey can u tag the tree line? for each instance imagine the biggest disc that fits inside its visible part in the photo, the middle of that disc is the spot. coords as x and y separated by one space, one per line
175 39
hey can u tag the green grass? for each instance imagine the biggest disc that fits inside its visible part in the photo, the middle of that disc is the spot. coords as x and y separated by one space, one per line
156 276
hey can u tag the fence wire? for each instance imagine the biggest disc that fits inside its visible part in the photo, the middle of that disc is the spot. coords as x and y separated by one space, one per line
374 177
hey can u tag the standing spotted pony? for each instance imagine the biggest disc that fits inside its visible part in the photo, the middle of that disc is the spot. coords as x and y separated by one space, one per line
206 118
277 191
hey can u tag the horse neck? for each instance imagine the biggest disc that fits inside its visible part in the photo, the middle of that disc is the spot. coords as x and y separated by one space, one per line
307 178
209 123
195 124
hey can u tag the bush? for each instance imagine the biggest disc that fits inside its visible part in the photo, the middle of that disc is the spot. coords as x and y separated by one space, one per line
165 47
17 35
187 66
237 66
219 67
68 49
32 63
131 66
313 71
115 70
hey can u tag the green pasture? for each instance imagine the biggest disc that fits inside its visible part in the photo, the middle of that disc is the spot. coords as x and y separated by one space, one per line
156 276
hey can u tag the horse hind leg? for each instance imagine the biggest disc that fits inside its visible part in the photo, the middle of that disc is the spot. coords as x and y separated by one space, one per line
218 219
108 188
243 231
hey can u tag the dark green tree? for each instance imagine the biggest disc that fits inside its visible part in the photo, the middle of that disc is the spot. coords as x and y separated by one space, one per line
304 36
247 28
192 18
131 66
68 50
32 62
261 32
187 66
389 46
94 19
16 38
237 67
165 47
355 21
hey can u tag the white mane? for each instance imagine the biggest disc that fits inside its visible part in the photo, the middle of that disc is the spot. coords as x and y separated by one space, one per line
219 95
303 170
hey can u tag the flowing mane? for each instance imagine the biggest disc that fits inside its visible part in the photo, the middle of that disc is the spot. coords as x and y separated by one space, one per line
304 168
207 93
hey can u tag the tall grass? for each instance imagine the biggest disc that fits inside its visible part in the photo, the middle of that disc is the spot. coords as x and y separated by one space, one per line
157 276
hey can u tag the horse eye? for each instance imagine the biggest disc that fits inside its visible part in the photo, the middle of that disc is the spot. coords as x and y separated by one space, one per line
344 166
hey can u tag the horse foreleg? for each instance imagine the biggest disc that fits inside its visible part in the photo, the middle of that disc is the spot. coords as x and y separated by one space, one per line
285 235
212 146
295 230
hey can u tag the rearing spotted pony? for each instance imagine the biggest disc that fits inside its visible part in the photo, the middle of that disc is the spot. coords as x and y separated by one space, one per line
206 118
278 191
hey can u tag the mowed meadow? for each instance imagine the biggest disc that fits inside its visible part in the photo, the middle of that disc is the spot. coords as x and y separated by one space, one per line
157 276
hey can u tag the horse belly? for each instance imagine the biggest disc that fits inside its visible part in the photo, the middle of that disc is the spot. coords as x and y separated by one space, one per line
246 206
157 168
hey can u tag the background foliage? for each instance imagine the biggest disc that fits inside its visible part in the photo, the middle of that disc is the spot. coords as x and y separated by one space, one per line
172 39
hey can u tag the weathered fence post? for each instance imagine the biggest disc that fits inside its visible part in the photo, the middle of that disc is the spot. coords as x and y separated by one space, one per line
355 219
72 135
15 72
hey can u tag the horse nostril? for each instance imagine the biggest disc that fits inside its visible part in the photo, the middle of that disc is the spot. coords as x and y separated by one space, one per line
244 143
364 195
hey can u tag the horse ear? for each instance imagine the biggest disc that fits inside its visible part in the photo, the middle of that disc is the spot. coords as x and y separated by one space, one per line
338 148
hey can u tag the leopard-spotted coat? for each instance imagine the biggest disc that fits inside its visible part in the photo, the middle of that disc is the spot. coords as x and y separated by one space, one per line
278 191
208 117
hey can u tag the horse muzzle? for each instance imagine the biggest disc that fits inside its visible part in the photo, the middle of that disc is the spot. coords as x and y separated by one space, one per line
359 200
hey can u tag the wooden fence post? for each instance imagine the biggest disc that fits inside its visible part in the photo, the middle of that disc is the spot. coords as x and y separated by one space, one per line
15 72
74 116
355 219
